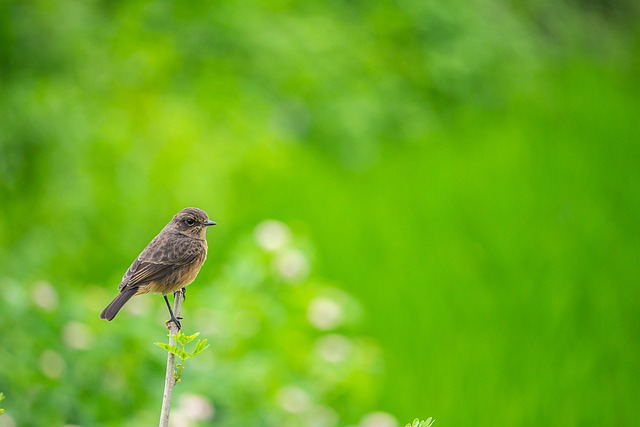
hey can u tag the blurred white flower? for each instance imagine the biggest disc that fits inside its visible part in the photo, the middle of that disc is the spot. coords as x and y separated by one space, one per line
325 313
321 416
197 407
179 418
334 348
292 265
294 399
45 296
272 235
52 364
378 419
76 335
191 408
7 421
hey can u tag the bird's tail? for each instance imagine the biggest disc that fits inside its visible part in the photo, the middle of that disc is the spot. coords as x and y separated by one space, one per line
114 306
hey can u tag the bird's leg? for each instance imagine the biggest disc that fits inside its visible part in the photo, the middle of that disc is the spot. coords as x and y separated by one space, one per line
184 293
174 319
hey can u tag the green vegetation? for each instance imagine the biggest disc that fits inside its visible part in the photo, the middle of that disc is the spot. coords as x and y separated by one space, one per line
181 352
424 208
425 423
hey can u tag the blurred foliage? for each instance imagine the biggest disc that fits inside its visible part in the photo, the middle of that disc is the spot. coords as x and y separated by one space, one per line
424 423
282 341
459 181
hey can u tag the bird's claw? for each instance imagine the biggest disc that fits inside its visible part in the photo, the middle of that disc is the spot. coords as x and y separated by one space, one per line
175 321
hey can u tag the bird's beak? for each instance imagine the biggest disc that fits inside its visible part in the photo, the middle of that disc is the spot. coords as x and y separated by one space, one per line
209 223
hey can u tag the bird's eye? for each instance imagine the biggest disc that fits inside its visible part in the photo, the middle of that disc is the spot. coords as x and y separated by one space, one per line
190 222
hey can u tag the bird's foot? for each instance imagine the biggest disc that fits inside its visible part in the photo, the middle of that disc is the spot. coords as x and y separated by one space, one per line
175 321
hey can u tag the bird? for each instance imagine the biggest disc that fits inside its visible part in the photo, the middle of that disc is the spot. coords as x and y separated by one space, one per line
169 263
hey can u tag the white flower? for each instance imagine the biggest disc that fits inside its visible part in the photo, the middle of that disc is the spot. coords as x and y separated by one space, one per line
294 399
378 419
292 265
272 235
45 296
76 335
334 348
325 313
52 364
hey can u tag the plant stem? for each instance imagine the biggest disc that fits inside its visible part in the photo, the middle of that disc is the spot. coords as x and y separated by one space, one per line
170 380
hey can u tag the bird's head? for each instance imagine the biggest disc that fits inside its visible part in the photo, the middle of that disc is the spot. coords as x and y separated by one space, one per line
193 222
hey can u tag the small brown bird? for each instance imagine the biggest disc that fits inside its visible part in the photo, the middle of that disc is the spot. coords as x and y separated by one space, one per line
169 263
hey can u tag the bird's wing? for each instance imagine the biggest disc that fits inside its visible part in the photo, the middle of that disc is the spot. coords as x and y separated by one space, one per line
158 259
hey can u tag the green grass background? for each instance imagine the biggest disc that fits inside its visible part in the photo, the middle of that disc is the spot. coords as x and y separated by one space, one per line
469 173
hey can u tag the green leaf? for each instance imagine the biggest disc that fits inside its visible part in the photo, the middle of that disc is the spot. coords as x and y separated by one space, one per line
186 339
180 351
417 423
170 348
163 345
201 345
